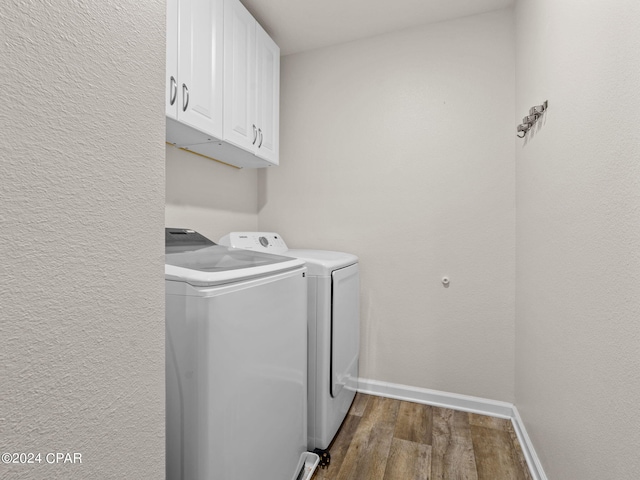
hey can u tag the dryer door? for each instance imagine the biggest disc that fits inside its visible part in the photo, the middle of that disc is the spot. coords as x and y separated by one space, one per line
345 328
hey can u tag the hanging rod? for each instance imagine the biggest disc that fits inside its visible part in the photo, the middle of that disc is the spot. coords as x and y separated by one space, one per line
529 121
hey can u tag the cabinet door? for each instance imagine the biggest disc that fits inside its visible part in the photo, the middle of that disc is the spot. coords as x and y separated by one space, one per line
268 96
239 76
200 53
171 87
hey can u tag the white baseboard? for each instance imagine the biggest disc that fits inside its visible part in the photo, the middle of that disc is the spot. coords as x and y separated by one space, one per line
465 403
436 398
535 467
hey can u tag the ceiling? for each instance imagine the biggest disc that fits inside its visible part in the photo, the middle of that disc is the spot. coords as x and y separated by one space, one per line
300 25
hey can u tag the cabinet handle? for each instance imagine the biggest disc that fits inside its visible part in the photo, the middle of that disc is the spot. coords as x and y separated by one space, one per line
260 132
174 90
185 95
255 134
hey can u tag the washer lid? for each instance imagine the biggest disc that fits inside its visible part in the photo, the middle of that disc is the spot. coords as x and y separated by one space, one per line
323 262
203 263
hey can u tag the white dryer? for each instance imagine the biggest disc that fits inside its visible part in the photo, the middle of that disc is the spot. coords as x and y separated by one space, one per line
236 363
334 329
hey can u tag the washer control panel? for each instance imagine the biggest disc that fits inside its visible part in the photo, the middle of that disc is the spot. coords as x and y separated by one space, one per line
269 242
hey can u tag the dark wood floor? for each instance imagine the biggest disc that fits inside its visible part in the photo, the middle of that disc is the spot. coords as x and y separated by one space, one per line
386 439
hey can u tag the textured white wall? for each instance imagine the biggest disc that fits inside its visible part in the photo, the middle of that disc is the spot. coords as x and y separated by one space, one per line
578 237
81 214
209 197
399 149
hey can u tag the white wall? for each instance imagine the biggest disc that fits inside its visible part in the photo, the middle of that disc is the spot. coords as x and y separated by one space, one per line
209 197
399 149
578 237
81 214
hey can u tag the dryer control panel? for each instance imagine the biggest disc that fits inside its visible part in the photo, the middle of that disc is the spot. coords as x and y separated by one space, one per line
269 242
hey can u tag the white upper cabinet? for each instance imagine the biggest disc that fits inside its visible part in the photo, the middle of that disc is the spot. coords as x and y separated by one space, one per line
268 96
239 76
194 65
223 83
171 76
251 84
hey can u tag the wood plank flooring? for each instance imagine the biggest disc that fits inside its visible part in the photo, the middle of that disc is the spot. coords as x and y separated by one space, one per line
386 439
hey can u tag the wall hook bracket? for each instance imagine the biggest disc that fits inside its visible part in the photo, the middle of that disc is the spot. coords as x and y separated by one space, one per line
529 121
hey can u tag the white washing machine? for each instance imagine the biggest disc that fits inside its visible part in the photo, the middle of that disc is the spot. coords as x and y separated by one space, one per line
334 329
236 363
